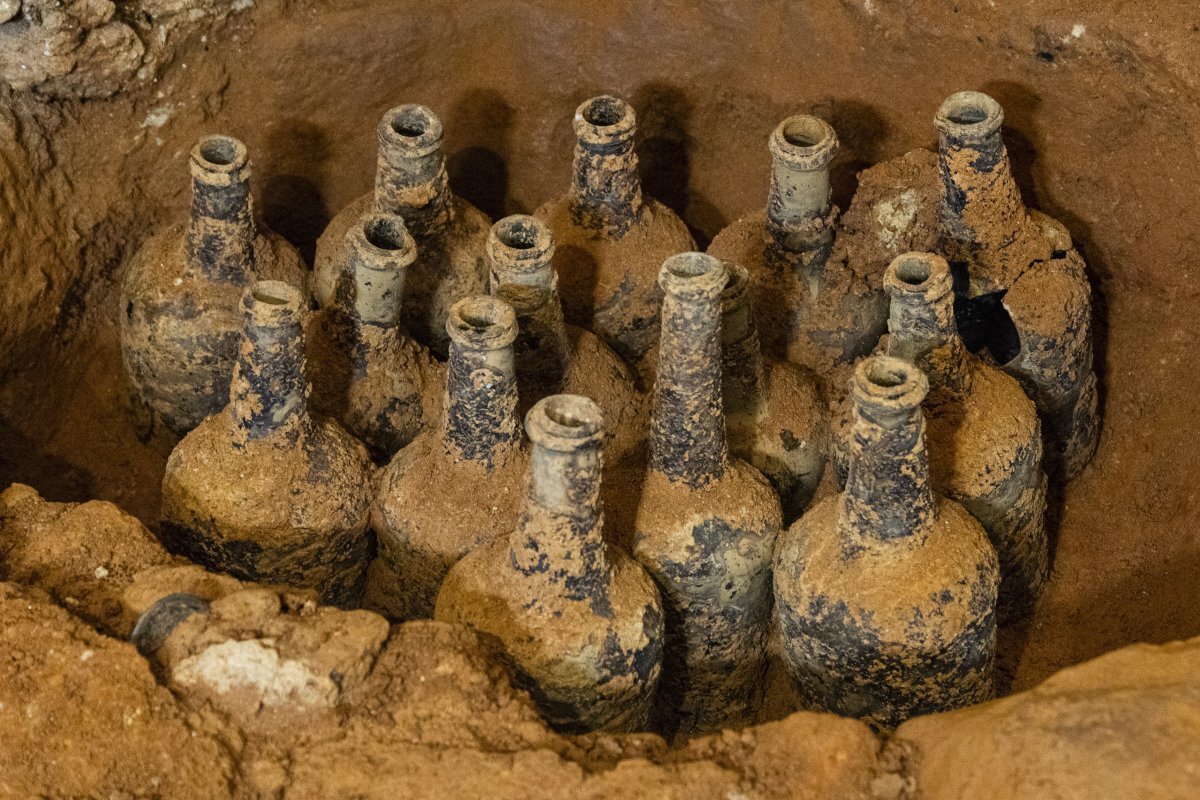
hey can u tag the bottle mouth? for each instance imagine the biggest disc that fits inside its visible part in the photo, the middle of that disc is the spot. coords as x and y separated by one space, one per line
482 323
924 275
969 116
272 304
604 121
520 242
888 385
804 142
383 239
693 275
412 130
219 155
737 283
565 422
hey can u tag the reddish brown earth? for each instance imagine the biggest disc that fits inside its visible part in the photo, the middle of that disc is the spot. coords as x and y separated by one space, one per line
1102 105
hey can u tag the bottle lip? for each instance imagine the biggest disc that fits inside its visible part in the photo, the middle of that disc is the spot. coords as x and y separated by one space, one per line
918 276
604 121
887 384
411 130
737 283
272 304
382 241
482 322
520 242
565 422
693 275
221 158
804 142
969 116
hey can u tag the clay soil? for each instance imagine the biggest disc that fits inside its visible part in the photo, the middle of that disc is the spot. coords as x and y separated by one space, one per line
1102 122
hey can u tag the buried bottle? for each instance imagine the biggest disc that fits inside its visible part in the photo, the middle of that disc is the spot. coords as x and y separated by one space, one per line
367 371
554 357
610 237
1022 274
886 594
706 523
580 620
296 511
411 181
813 306
180 319
775 416
458 485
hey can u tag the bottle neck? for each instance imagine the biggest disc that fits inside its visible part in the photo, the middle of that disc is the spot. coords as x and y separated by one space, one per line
887 495
687 431
560 533
606 193
800 210
219 242
543 347
922 331
480 417
415 187
268 393
741 356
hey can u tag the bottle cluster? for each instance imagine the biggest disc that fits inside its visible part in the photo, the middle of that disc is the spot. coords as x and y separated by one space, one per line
575 433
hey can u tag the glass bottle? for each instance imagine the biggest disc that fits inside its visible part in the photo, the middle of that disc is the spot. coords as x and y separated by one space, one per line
610 237
410 180
459 485
367 371
775 416
1022 266
706 523
886 594
580 619
180 322
554 357
265 491
815 307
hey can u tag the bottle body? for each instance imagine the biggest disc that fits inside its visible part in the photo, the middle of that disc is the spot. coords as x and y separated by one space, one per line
297 511
179 320
816 306
450 233
579 619
458 485
885 594
610 238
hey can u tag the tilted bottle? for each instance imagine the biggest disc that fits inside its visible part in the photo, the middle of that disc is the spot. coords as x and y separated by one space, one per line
367 371
264 490
814 306
554 357
410 180
456 486
180 319
1023 261
706 523
775 416
610 237
580 619
885 594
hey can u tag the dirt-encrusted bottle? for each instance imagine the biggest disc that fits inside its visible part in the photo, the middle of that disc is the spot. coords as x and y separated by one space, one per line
706 523
180 318
1025 292
580 619
410 180
554 357
610 237
366 370
264 490
886 594
459 485
815 307
775 416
